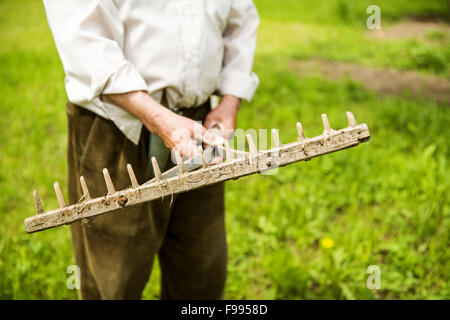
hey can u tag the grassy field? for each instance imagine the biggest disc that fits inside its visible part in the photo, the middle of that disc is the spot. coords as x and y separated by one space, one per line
383 203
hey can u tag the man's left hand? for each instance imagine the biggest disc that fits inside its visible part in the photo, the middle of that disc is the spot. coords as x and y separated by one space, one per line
224 116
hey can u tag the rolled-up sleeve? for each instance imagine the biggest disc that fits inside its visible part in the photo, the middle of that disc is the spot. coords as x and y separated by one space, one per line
239 37
89 38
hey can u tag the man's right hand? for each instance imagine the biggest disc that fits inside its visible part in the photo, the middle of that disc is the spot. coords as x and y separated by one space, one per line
177 132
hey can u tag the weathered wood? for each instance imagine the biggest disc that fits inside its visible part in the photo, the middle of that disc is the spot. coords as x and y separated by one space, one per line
326 125
251 144
108 181
59 195
133 180
228 152
276 138
200 154
156 170
84 188
304 149
180 164
351 119
37 203
301 134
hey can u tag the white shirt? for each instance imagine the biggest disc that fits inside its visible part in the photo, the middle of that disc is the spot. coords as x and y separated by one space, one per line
188 49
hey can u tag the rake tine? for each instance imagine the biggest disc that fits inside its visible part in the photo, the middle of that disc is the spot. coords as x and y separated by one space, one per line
180 164
200 153
276 138
37 202
156 169
229 154
59 195
251 144
301 135
252 147
108 181
326 124
351 119
133 179
84 188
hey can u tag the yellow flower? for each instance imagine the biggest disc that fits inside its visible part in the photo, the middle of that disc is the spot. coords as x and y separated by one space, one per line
327 243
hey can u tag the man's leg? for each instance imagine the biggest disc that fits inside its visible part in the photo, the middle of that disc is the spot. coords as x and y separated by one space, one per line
193 256
114 251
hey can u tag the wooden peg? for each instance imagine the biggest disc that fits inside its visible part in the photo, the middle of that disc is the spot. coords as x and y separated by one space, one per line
180 164
59 195
276 138
37 202
351 119
156 169
326 124
200 153
301 135
108 181
252 148
133 179
251 144
84 188
228 152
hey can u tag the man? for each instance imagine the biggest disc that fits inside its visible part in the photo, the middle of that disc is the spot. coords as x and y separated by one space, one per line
137 72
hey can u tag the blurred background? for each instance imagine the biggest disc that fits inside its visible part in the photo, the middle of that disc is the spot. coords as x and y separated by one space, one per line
310 231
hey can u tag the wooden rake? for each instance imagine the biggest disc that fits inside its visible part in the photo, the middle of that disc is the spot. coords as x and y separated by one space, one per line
184 176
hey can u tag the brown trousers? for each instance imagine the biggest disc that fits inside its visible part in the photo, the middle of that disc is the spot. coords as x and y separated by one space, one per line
115 251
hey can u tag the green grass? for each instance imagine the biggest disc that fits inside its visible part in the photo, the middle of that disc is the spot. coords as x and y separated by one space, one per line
383 203
338 12
349 44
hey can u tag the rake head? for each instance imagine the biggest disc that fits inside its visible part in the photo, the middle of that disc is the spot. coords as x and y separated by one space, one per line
197 172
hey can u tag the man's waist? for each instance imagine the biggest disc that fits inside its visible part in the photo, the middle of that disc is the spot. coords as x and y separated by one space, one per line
183 110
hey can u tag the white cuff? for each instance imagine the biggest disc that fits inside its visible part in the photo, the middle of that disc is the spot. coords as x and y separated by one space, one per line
125 78
238 84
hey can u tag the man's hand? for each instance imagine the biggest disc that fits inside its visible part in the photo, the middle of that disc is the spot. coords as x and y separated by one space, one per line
181 133
177 132
224 116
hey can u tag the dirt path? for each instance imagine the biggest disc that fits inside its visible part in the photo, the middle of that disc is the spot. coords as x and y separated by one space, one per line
384 81
410 29
388 81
